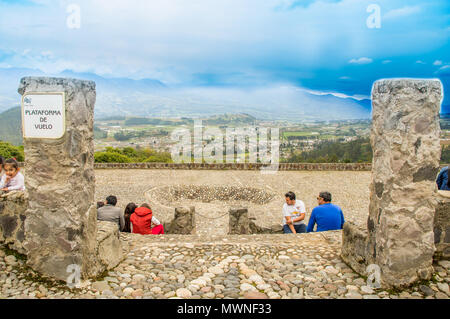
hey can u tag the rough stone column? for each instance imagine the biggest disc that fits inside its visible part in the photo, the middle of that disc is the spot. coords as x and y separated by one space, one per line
406 146
442 226
239 221
183 222
61 227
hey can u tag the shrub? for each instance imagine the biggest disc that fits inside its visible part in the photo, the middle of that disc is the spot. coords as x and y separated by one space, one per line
8 150
110 157
162 157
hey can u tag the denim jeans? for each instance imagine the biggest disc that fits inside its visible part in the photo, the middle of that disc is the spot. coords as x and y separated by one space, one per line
298 228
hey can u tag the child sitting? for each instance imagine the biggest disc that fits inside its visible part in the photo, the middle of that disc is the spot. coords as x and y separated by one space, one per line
13 179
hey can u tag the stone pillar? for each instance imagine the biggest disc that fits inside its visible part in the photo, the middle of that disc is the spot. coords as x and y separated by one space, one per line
442 226
183 222
406 154
61 223
239 221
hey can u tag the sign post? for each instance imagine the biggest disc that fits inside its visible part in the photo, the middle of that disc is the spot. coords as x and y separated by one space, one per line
43 115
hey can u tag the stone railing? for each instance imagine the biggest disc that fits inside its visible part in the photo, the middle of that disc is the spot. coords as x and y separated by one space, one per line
109 247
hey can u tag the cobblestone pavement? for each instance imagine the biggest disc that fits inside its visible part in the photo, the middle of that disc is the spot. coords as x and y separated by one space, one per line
302 266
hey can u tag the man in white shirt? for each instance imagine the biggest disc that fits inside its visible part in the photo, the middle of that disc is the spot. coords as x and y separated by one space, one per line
293 215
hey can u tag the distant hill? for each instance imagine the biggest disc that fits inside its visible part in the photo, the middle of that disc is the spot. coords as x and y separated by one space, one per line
152 98
11 126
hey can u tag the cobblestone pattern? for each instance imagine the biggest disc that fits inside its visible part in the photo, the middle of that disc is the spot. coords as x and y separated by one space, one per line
302 266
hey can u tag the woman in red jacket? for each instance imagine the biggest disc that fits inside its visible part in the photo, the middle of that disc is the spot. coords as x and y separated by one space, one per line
142 221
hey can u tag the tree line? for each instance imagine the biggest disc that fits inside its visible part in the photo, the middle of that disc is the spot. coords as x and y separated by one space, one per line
357 151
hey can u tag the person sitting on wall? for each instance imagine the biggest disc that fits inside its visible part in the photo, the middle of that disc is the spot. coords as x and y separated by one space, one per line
129 210
13 178
142 221
111 213
327 216
443 180
293 215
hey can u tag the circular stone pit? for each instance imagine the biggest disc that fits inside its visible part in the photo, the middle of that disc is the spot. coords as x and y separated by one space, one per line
212 204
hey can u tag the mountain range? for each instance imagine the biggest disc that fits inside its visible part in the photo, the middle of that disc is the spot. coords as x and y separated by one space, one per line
152 98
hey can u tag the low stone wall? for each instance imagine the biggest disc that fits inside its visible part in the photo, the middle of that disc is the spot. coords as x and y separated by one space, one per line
12 232
241 224
355 247
240 166
109 247
183 222
12 217
442 226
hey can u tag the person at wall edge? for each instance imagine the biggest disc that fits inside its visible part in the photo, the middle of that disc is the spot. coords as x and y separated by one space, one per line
293 215
327 216
142 221
443 180
111 213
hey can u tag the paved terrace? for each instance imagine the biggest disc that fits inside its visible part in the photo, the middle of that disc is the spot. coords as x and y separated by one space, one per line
350 190
213 265
302 266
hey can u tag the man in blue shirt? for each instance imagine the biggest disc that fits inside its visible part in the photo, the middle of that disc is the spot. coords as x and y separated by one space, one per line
327 216
443 182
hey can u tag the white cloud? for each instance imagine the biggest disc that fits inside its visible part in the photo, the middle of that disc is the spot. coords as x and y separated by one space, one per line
420 62
401 12
443 70
437 62
362 60
386 61
358 97
344 78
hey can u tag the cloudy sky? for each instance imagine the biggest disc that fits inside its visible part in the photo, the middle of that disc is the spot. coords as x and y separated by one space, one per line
322 45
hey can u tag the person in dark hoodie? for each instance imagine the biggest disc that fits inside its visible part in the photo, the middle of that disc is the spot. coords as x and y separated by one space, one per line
443 179
143 222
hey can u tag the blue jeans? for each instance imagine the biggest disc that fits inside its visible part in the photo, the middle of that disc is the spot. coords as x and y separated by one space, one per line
298 228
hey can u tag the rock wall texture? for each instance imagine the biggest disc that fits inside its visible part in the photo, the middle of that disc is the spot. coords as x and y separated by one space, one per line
183 222
61 215
109 248
239 222
442 226
406 145
12 217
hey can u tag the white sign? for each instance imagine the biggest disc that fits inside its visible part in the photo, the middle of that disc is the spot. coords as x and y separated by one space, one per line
43 115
